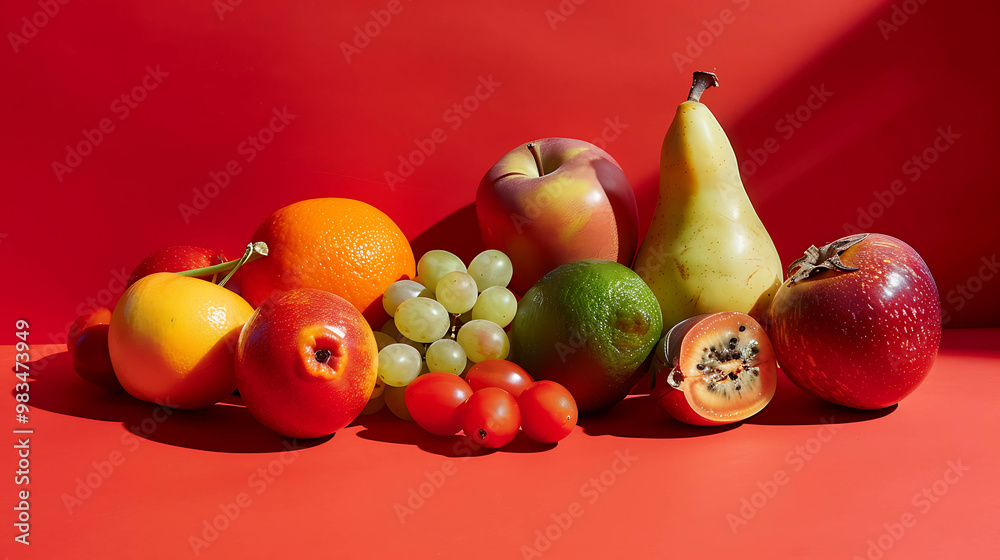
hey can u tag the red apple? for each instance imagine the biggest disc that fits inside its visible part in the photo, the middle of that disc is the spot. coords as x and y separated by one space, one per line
858 322
176 259
556 201
306 363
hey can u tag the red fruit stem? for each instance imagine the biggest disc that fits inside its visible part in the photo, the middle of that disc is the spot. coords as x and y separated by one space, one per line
254 251
538 158
701 82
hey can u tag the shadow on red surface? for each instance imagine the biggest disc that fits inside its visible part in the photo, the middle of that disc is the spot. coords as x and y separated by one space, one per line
792 406
638 416
383 426
226 427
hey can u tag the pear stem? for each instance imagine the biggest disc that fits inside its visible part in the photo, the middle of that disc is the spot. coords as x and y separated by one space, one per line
254 251
538 158
701 82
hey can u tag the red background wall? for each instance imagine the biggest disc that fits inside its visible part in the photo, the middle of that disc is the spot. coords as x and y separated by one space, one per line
894 80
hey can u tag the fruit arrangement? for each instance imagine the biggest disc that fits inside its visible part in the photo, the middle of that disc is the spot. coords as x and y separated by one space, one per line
562 314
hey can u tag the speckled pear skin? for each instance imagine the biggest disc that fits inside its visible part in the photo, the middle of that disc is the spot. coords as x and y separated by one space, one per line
706 250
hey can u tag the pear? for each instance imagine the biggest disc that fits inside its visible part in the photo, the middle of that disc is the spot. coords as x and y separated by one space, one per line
706 250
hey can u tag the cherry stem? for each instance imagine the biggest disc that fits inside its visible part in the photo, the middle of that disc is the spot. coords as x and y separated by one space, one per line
701 82
254 251
538 158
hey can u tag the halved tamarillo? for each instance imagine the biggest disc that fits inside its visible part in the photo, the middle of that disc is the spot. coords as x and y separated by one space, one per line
714 369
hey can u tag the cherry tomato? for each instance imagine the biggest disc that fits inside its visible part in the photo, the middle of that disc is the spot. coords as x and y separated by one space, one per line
491 417
435 401
91 358
548 411
499 373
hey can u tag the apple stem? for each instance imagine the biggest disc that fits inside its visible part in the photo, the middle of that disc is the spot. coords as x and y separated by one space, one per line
538 158
701 82
254 251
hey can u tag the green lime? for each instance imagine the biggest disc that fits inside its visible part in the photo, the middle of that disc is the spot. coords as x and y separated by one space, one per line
588 325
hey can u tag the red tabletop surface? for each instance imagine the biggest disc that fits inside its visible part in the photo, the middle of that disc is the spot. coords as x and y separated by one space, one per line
877 115
113 477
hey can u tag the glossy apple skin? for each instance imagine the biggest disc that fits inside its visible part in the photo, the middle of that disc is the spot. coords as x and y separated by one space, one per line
582 208
864 339
176 259
279 378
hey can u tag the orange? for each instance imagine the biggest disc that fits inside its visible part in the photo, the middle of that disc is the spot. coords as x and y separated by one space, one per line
172 339
343 246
